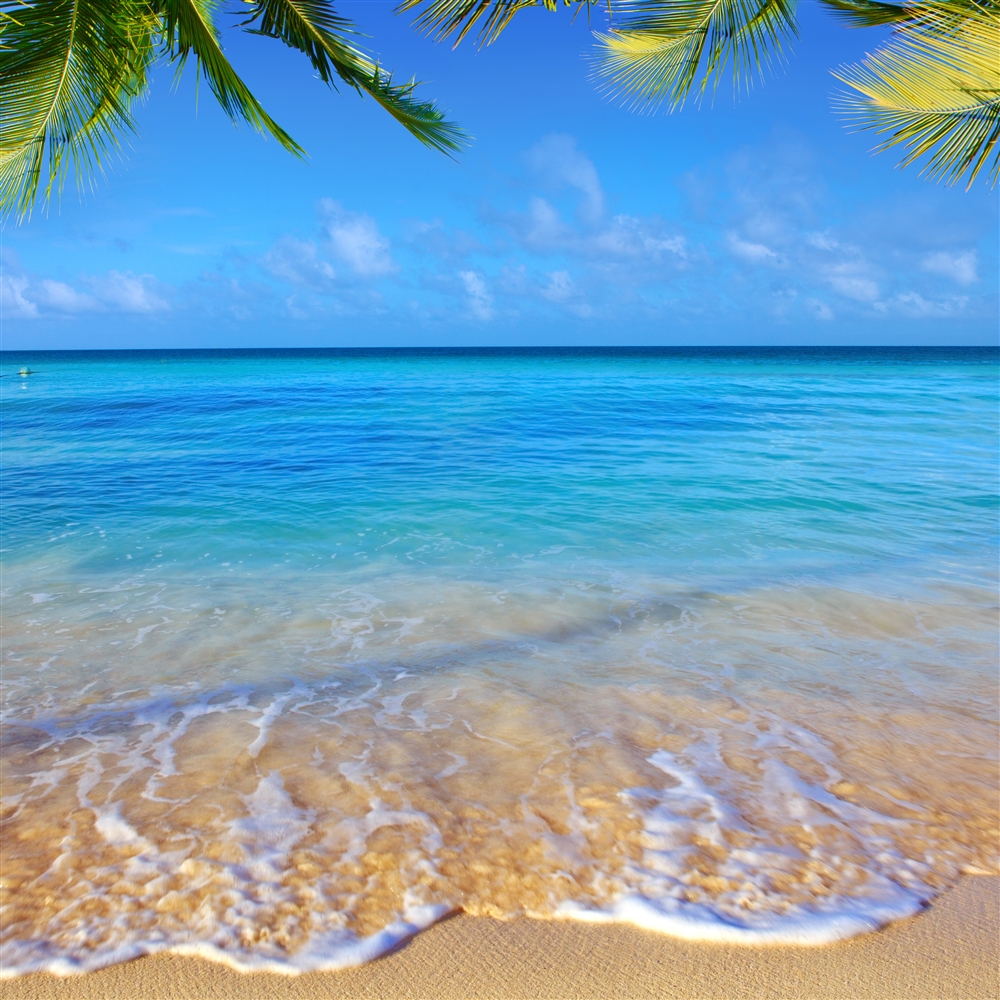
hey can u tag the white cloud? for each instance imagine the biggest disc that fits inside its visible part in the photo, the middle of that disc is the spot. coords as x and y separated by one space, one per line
630 236
480 300
295 310
128 292
824 241
26 296
754 253
850 280
915 305
557 160
355 239
14 304
624 237
762 244
960 267
559 288
819 309
297 262
545 231
65 298
851 277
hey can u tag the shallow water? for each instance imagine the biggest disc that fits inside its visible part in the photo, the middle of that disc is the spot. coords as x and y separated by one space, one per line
303 650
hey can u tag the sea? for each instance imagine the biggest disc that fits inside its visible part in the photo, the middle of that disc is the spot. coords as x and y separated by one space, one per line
305 650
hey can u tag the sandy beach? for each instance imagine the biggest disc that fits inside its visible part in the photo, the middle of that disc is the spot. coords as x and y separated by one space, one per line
952 950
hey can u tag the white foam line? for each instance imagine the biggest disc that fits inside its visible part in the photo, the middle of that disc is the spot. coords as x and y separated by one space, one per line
264 722
326 952
489 739
140 636
451 769
693 922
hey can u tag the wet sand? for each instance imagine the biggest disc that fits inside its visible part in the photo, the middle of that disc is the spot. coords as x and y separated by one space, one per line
951 950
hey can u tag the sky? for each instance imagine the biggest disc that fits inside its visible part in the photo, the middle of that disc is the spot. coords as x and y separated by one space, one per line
570 220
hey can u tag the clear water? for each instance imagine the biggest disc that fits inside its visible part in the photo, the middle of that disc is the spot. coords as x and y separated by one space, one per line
303 650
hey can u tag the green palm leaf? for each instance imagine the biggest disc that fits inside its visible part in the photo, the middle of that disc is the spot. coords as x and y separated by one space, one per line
658 49
870 13
312 27
189 26
935 89
70 73
443 17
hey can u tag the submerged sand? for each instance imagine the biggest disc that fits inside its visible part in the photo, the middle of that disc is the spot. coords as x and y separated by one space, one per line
952 950
784 764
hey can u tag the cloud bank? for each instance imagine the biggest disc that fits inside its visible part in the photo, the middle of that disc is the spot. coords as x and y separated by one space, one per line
754 240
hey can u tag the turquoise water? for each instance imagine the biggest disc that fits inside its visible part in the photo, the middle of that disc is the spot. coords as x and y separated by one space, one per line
718 467
321 645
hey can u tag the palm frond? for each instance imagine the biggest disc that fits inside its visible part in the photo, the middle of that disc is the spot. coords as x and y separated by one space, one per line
422 118
935 89
870 13
442 18
69 75
189 27
312 27
658 49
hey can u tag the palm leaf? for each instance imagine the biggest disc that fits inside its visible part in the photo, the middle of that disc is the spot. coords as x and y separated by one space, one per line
935 89
441 18
870 13
189 27
70 73
658 49
312 27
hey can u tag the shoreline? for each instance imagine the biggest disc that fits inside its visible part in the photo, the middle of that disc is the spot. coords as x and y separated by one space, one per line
950 950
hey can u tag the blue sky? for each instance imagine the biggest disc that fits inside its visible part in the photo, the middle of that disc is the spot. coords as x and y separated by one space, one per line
569 221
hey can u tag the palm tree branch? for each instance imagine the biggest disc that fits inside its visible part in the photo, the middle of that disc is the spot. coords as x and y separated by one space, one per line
935 90
658 48
67 80
442 18
22 148
870 13
189 27
312 27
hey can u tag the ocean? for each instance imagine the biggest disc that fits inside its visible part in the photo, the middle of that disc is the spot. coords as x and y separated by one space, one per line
304 650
